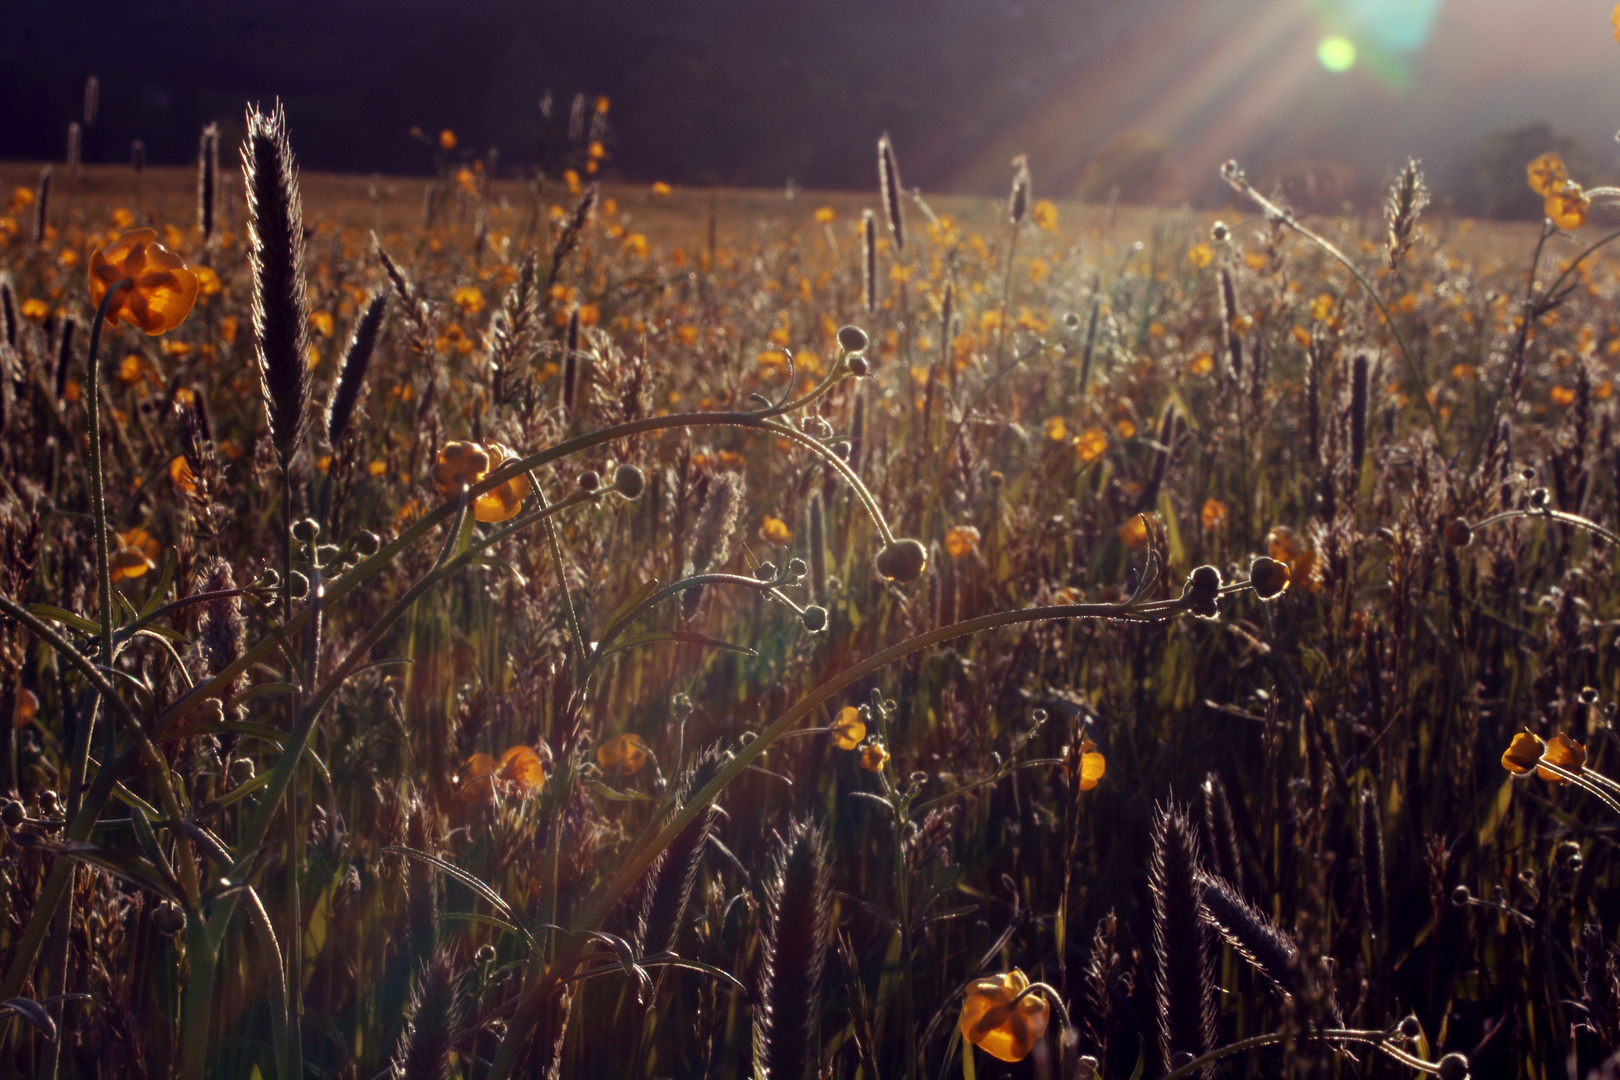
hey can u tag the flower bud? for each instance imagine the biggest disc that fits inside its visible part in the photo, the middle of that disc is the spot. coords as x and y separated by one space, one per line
852 339
797 568
903 561
858 367
366 543
306 531
12 814
168 918
298 586
629 481
765 571
814 618
1453 1066
1411 1027
1458 533
1268 577
589 480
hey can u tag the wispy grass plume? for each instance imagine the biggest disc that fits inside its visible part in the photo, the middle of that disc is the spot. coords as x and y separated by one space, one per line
433 1023
352 378
1183 990
889 189
669 882
280 299
787 1015
207 179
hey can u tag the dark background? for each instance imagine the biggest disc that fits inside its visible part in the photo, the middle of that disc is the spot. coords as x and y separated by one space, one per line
758 92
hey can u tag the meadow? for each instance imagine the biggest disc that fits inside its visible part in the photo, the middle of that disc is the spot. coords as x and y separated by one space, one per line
549 629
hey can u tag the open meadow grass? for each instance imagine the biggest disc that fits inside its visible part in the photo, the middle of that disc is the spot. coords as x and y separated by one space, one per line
549 630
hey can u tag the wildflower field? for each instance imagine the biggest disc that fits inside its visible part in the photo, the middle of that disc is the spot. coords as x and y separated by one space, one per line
528 628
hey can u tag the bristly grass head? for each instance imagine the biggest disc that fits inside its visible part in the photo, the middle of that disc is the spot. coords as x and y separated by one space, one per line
889 189
1407 198
280 299
787 1017
346 394
1183 990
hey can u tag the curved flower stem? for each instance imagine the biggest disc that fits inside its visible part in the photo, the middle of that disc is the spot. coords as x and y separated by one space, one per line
1552 515
840 466
1275 213
840 371
1379 1040
98 505
56 960
540 981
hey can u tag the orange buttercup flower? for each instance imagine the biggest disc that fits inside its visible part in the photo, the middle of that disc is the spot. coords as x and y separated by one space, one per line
459 464
874 756
1567 206
1546 174
505 501
135 555
1522 753
1086 764
522 770
162 292
520 773
1565 753
848 729
627 753
998 1021
961 541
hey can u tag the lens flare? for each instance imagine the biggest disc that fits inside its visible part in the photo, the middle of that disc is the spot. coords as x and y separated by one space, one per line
1336 53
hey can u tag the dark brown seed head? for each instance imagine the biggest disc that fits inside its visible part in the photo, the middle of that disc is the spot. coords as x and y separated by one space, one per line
852 339
629 481
280 297
1458 533
1269 577
903 561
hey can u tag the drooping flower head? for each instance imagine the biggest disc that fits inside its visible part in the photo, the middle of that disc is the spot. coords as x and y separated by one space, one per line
998 1021
162 292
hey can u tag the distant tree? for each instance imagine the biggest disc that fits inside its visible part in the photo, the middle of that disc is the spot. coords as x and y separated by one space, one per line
1493 184
1135 161
1315 186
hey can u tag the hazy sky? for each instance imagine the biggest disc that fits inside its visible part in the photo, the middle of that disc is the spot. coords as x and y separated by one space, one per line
758 91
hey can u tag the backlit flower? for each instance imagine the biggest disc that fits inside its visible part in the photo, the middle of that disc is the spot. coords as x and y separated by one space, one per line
1091 444
848 729
162 292
134 556
998 1021
1214 514
447 139
459 464
961 541
1522 753
775 531
1565 753
627 753
1200 255
874 756
1044 214
1546 174
503 502
1086 764
1567 206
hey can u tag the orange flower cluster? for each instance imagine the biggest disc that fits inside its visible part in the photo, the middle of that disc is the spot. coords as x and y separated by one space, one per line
462 464
519 774
1528 751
